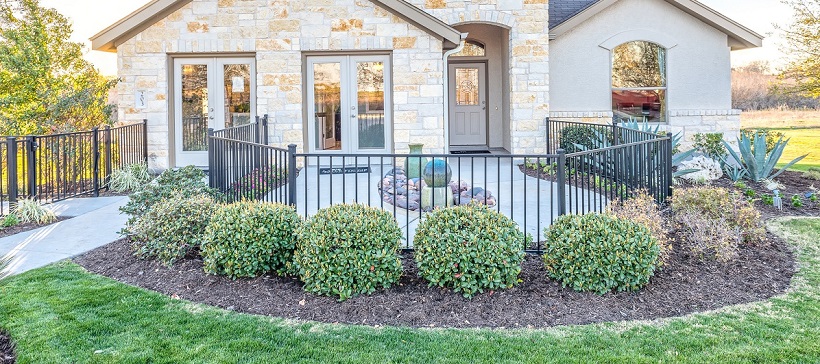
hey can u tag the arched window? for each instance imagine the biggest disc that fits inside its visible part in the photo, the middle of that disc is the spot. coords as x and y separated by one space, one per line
472 48
639 81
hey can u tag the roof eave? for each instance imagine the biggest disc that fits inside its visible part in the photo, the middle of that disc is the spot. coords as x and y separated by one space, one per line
424 20
740 37
110 38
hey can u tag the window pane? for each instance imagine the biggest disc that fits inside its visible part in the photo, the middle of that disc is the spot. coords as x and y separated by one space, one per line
237 84
642 105
466 86
194 107
370 100
471 49
327 83
638 64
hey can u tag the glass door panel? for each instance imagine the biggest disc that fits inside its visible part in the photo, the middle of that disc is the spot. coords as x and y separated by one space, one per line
237 94
195 109
370 104
327 107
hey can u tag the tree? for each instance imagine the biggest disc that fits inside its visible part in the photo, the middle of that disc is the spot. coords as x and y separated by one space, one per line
45 84
803 44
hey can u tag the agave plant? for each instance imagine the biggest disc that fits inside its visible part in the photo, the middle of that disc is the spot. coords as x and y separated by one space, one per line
756 160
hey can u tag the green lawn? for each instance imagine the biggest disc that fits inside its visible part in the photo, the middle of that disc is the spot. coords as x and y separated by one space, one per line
63 314
803 141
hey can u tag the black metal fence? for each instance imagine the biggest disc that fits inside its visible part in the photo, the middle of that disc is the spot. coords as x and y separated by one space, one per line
533 190
55 167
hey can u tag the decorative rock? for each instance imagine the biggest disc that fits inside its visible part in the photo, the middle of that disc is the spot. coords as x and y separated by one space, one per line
437 173
475 191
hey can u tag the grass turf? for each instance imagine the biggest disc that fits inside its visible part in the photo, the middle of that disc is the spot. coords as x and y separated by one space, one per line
61 313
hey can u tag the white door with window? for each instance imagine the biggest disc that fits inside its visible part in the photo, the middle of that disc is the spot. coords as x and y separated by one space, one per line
468 104
348 102
213 93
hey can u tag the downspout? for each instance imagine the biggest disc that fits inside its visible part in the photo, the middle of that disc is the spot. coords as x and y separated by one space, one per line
446 76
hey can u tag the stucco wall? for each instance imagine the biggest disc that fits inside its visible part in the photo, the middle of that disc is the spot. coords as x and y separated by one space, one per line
277 33
698 66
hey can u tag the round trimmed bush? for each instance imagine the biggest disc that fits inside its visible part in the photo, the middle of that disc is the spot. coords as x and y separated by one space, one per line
345 250
248 239
469 248
172 228
599 253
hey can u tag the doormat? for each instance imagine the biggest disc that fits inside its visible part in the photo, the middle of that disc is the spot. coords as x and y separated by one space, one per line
469 152
344 170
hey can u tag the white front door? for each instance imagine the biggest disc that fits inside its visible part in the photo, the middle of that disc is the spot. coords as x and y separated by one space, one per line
213 93
349 104
468 104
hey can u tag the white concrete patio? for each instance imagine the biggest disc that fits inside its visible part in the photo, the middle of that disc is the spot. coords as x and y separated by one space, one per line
530 202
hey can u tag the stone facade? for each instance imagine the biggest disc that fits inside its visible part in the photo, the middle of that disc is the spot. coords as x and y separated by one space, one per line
528 59
277 33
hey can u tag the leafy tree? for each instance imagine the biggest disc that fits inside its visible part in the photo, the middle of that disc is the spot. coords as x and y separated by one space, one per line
803 40
45 84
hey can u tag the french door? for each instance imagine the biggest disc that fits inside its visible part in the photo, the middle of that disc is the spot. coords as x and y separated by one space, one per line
349 104
213 93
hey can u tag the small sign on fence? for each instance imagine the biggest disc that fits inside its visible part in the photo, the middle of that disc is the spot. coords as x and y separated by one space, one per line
344 170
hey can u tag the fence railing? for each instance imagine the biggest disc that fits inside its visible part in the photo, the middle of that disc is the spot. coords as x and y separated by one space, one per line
533 190
55 167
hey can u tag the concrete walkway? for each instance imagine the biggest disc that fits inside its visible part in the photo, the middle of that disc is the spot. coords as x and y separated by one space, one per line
95 223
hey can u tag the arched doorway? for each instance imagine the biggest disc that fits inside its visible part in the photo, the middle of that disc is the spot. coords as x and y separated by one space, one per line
478 77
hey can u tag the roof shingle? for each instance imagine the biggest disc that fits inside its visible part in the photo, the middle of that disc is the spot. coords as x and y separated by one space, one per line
562 10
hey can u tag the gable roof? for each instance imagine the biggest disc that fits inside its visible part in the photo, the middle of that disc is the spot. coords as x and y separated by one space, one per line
126 28
571 13
561 10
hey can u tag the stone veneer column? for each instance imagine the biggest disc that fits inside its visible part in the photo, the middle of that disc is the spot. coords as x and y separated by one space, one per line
528 59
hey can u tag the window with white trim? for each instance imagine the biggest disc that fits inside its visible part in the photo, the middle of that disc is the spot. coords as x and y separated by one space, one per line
639 81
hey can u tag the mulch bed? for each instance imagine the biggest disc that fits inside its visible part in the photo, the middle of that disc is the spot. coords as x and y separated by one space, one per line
7 355
685 285
794 183
21 228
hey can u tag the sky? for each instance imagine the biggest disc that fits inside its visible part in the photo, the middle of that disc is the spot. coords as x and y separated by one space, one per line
91 16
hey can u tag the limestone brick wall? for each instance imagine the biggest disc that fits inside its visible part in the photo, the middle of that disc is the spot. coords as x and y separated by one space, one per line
528 59
277 32
689 122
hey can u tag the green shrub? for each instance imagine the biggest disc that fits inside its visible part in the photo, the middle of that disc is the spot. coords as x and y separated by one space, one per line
248 239
599 253
714 221
187 181
758 157
643 209
32 211
771 137
129 178
173 228
345 250
812 173
469 248
711 145
258 183
10 220
577 134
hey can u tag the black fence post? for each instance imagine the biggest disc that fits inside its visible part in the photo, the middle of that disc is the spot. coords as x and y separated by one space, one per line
265 129
31 166
108 157
669 176
257 130
616 135
562 182
292 175
95 154
549 136
211 159
145 140
11 169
